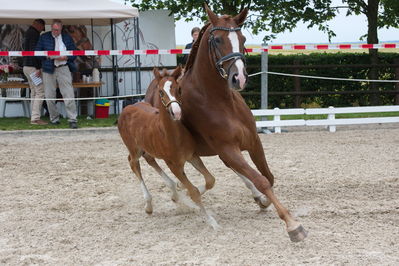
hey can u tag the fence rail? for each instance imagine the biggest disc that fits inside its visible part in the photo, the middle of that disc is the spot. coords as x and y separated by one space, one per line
331 121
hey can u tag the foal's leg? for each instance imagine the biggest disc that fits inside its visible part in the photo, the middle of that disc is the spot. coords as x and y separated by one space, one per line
236 161
169 182
209 178
135 166
195 195
259 198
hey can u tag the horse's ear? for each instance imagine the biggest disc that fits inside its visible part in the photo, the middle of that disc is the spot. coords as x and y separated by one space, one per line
240 18
177 72
212 16
156 73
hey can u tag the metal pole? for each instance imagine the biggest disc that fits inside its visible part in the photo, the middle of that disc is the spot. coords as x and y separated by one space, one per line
264 77
114 68
264 86
137 63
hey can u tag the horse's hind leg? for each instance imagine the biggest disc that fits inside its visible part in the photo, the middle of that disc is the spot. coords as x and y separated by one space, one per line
169 182
209 178
135 166
193 192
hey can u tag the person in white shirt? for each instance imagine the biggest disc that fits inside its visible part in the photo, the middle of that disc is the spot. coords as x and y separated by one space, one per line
57 69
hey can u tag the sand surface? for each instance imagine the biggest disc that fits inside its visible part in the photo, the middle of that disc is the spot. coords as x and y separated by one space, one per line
72 200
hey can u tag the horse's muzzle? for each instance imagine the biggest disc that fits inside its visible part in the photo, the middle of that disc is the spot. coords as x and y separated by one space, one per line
238 76
175 111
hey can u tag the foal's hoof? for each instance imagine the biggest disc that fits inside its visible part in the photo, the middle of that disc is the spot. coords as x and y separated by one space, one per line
148 209
298 234
263 202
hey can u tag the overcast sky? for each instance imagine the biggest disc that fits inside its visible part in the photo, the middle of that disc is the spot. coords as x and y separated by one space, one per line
347 29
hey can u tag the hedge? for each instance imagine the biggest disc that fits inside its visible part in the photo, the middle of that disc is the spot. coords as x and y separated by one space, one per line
277 83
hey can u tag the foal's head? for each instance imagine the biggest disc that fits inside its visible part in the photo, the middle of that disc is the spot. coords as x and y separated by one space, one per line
169 91
226 44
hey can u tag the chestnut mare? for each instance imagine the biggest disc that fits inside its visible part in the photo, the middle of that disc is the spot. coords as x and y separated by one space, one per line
158 133
218 117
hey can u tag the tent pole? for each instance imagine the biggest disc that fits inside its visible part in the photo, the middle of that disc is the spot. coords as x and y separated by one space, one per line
92 40
137 63
114 68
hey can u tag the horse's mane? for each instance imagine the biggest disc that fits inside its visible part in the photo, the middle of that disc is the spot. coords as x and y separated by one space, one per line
194 49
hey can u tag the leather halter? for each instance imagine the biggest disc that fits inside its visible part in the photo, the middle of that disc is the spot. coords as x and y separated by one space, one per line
168 103
233 57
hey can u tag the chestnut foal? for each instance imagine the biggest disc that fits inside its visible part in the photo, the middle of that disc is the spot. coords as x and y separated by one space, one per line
158 133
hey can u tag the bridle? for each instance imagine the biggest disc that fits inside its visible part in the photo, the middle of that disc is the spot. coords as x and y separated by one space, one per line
217 55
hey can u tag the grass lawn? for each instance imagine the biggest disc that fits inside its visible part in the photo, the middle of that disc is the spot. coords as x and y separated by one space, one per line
23 123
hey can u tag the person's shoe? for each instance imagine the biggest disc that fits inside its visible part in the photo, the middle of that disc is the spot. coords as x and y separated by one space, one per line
55 123
38 122
73 125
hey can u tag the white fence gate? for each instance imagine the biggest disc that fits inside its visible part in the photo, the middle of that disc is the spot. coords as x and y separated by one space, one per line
331 122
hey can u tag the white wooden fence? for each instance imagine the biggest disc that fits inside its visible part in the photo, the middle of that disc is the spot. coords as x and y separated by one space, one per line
331 121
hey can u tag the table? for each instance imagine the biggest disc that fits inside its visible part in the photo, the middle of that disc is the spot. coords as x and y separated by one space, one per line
95 86
14 84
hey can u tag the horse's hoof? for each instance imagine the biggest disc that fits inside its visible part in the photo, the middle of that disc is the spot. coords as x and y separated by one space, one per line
263 202
298 234
175 198
148 209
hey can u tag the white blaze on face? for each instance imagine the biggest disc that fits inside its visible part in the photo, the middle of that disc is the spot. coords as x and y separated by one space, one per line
175 106
239 63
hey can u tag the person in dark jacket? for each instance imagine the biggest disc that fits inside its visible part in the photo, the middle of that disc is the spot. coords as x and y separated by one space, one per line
194 34
57 70
31 67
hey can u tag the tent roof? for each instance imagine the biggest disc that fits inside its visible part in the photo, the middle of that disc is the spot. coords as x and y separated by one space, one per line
69 11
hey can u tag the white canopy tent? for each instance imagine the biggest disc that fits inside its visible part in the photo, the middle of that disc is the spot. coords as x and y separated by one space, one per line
72 12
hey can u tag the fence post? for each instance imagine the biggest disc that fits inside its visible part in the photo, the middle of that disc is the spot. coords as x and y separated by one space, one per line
297 85
277 117
264 77
331 117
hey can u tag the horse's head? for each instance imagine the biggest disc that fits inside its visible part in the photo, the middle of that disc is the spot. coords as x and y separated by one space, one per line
226 44
169 91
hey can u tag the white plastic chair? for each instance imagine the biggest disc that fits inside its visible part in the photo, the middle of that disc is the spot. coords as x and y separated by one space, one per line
16 93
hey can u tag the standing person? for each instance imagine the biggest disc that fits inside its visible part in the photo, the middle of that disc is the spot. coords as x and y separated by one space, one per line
194 34
32 66
57 69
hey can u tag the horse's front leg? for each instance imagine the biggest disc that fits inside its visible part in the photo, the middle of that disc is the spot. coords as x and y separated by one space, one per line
195 195
209 178
236 161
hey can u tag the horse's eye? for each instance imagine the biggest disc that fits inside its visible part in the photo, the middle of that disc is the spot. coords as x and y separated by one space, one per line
179 90
218 40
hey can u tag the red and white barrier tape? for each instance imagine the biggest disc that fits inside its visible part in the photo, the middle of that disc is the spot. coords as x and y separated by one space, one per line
187 51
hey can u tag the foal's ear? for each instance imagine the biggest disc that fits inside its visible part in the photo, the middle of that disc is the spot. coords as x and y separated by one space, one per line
177 72
156 73
212 16
240 18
